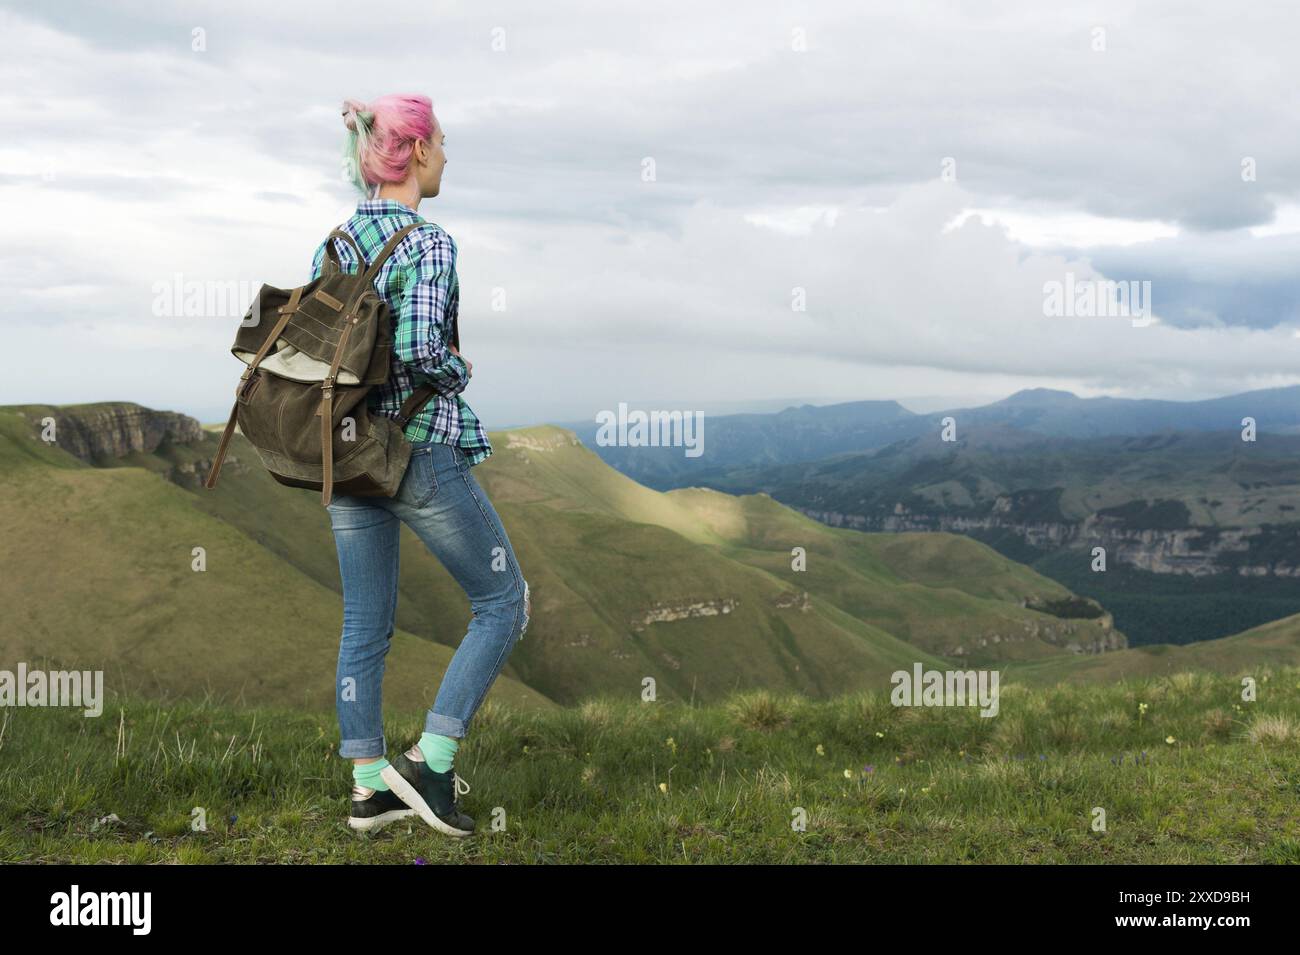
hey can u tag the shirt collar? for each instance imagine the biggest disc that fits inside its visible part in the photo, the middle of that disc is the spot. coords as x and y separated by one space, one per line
384 207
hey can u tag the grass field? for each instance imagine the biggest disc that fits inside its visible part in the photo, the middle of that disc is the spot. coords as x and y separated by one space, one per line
1195 775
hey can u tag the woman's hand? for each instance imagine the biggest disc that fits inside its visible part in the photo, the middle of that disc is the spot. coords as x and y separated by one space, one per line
469 366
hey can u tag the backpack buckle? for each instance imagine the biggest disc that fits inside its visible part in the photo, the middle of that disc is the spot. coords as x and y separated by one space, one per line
327 394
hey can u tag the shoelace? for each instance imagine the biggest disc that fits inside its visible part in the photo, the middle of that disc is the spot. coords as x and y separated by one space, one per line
457 782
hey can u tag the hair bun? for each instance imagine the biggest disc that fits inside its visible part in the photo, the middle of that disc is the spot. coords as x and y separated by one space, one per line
354 110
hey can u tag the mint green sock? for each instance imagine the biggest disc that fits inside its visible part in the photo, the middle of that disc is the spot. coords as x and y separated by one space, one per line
439 751
367 774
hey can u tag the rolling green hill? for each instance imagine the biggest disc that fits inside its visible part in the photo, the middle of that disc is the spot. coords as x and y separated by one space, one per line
98 576
1275 644
693 588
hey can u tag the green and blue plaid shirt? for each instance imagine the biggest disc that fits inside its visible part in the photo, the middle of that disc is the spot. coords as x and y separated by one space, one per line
420 285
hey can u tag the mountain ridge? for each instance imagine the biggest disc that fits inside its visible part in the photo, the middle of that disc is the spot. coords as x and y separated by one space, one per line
814 432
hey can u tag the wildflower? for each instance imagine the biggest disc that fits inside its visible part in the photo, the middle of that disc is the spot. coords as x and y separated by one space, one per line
663 787
848 774
879 735
869 769
821 751
671 744
1170 740
925 789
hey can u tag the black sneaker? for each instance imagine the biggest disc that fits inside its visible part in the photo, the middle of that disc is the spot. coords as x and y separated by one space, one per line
372 808
433 795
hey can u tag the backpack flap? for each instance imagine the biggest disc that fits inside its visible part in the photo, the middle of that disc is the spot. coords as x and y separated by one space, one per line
307 347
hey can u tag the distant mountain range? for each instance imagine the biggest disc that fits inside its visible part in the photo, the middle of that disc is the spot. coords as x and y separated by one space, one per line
813 432
1201 527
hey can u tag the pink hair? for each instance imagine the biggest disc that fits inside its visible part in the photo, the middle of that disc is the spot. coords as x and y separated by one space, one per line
382 135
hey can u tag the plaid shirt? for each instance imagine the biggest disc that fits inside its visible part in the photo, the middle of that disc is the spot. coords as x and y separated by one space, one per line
420 285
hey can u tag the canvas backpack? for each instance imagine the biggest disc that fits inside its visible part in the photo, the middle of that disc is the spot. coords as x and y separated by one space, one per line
313 354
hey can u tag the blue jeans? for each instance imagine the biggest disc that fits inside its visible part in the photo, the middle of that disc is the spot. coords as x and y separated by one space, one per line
441 501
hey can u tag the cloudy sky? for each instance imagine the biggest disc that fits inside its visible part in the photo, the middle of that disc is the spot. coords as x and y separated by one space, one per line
913 175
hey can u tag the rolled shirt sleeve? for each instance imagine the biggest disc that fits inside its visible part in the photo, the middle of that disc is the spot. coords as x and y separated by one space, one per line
428 308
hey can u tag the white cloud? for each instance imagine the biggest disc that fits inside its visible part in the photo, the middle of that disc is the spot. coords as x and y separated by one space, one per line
1066 229
133 158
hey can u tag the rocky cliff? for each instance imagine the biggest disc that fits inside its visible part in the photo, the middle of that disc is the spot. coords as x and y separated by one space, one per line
667 611
101 432
544 442
1076 636
1194 551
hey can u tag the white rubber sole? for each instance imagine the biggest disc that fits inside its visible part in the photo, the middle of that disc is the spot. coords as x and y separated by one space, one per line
411 796
383 819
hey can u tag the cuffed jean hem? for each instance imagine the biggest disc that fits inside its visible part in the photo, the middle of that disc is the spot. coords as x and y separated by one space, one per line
361 748
441 725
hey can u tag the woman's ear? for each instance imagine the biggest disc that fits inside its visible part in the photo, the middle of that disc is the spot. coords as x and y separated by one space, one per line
422 152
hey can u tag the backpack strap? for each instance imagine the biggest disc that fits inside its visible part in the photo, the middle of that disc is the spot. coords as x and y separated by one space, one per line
389 248
416 400
326 412
373 269
333 254
286 313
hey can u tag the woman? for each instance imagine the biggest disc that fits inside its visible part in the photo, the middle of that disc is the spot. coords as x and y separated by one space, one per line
395 158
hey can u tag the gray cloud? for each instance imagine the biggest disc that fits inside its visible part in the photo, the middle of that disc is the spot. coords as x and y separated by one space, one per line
223 164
